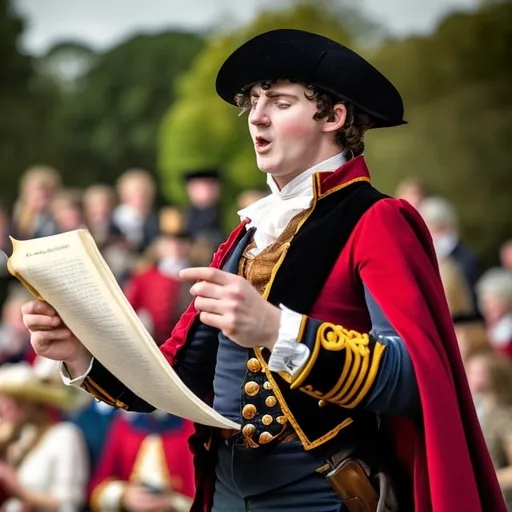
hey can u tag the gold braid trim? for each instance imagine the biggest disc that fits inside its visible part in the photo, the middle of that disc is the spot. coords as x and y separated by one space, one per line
98 392
335 338
377 356
357 374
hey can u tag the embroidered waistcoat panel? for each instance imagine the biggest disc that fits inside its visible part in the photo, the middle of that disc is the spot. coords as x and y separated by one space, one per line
262 416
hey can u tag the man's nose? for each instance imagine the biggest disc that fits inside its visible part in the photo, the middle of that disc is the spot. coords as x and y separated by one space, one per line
258 115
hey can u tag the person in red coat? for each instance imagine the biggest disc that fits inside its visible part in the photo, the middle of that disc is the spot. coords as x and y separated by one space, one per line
157 294
321 326
145 464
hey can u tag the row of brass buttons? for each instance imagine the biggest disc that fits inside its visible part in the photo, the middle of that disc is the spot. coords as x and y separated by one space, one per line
249 411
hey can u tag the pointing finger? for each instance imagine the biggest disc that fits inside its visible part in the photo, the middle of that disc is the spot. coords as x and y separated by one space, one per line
211 275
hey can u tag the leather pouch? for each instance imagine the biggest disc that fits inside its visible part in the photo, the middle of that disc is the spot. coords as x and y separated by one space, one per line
350 481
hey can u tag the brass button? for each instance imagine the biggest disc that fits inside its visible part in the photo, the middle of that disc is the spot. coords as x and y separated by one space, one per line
248 430
267 419
249 411
322 403
253 365
281 420
267 385
270 401
251 388
265 438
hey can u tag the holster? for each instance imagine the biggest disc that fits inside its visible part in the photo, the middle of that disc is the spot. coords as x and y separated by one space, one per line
350 478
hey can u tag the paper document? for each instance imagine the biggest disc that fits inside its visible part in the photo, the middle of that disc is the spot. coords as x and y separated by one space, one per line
68 272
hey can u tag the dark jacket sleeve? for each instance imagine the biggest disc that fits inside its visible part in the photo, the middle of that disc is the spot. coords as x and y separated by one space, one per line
351 369
195 365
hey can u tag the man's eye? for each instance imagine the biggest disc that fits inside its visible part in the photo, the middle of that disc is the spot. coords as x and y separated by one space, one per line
254 103
282 106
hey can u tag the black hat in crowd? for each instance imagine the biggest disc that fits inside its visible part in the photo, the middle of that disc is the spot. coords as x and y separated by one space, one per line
468 318
309 58
201 174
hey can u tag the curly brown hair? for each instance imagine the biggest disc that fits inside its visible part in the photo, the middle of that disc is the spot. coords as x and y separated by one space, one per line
349 137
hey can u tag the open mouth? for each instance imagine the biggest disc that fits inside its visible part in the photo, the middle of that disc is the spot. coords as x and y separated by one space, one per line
261 144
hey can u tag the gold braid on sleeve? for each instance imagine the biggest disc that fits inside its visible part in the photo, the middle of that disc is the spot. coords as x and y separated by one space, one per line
359 369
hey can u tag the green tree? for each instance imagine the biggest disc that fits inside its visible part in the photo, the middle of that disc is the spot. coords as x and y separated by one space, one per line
200 130
65 65
460 120
109 122
24 106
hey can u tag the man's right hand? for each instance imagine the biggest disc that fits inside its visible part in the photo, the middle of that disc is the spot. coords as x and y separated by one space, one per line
52 339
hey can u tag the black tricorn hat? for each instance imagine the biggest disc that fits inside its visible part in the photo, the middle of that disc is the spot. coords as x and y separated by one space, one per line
309 58
201 174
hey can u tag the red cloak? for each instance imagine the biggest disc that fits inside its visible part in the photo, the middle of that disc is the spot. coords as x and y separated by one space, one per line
446 455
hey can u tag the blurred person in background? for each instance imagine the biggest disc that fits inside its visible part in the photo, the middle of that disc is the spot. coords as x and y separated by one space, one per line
135 215
99 201
413 190
44 462
203 214
441 219
66 210
249 196
14 337
494 294
490 380
458 295
471 334
172 220
93 418
31 216
145 466
157 292
201 251
506 255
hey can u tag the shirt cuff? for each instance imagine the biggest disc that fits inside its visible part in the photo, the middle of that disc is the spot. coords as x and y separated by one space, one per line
77 381
288 355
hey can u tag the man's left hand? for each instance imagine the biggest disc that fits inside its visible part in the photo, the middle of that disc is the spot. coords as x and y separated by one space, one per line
229 303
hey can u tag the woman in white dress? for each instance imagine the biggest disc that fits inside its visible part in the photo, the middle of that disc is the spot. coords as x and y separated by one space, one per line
43 462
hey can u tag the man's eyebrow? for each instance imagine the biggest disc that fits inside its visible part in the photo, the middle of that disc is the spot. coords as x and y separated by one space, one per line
274 94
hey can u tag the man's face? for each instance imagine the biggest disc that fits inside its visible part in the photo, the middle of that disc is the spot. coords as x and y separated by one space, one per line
287 140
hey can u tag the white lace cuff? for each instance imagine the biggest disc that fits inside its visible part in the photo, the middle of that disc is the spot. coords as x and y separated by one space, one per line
76 381
288 355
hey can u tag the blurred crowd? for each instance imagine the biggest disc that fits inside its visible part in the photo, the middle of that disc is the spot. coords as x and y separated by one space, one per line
62 450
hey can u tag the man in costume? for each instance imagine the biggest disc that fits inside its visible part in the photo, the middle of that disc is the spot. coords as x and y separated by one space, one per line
321 325
145 465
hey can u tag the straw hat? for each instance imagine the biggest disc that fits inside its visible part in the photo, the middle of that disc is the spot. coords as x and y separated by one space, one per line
34 384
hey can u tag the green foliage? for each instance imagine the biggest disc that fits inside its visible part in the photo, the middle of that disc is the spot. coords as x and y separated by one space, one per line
458 139
65 65
201 130
23 107
109 121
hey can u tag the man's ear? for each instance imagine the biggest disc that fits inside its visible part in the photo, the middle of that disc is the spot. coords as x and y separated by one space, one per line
336 120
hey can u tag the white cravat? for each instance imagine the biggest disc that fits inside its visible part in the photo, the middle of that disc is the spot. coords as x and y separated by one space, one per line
271 214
